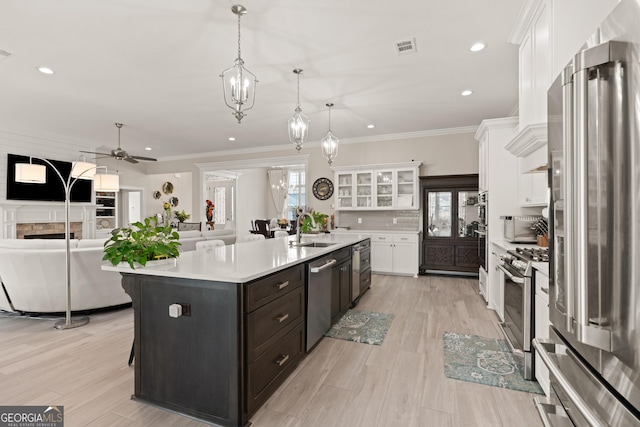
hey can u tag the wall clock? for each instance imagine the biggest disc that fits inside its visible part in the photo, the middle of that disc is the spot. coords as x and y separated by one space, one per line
323 188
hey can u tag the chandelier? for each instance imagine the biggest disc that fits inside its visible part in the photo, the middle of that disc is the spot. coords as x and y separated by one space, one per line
329 143
298 123
238 83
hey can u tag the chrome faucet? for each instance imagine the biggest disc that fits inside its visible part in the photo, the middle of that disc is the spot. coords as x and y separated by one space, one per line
298 226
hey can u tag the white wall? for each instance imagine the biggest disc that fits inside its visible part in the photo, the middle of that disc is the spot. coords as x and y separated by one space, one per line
253 198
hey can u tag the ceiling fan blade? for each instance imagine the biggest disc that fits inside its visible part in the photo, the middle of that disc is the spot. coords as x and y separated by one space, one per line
151 159
130 159
93 152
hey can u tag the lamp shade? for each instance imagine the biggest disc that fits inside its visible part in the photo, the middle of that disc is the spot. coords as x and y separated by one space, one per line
83 170
28 172
106 182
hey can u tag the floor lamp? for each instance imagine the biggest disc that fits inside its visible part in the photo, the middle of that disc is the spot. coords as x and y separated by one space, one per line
37 174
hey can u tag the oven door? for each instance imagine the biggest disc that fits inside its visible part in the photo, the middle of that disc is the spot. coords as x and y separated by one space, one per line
482 245
517 308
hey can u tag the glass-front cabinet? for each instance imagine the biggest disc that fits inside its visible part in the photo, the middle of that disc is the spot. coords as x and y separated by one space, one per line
374 187
450 241
344 182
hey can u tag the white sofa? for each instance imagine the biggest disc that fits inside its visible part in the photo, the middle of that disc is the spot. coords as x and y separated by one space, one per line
33 276
32 272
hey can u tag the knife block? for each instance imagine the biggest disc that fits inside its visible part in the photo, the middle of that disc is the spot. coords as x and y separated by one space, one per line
543 240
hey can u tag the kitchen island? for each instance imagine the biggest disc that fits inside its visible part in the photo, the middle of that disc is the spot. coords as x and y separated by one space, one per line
217 331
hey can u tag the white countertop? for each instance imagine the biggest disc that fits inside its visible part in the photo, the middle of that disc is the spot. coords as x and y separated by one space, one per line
243 262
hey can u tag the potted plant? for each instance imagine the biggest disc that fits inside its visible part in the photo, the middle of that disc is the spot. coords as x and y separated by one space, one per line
283 223
142 242
182 216
319 220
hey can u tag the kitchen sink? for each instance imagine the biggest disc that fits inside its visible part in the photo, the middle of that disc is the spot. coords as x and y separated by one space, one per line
317 244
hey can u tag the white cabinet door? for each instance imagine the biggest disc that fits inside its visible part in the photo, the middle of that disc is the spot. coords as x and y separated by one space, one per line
383 187
381 257
405 258
344 190
363 189
406 189
532 189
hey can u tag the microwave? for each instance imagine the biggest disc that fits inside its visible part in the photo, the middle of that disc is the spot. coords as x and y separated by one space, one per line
517 229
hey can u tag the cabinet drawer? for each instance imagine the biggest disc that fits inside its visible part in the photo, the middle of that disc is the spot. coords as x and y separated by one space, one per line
382 238
365 280
272 320
365 259
269 371
405 238
265 290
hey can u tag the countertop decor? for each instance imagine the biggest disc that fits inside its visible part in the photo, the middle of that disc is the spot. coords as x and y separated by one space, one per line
141 243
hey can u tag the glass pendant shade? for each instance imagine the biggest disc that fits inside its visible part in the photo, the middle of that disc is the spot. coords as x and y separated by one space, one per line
106 182
238 83
298 123
28 172
83 170
329 143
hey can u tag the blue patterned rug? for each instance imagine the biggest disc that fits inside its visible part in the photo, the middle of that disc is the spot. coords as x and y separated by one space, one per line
484 361
362 326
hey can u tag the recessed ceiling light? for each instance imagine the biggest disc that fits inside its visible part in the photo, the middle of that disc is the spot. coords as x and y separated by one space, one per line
466 92
371 126
477 47
147 148
45 70
231 138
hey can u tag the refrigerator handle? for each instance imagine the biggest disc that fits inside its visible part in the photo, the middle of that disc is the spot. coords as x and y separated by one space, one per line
568 146
547 348
580 230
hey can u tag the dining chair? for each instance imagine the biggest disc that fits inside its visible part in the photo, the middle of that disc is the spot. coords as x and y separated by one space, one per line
262 226
205 244
249 238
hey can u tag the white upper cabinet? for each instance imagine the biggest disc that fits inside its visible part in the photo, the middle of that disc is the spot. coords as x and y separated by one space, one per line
377 187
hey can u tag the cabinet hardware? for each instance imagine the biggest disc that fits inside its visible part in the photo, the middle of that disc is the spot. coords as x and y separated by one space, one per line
282 317
282 285
282 360
545 290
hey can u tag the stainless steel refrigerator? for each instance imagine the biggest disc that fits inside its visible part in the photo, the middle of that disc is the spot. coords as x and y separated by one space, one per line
594 172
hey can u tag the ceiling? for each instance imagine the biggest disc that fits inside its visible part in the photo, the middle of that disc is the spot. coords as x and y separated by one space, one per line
154 65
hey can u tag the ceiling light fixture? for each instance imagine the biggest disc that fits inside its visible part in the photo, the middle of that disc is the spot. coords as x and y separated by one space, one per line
148 148
45 70
371 126
238 83
231 138
329 143
298 123
477 47
466 92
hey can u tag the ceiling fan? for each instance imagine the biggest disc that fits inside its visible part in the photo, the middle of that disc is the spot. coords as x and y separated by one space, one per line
120 154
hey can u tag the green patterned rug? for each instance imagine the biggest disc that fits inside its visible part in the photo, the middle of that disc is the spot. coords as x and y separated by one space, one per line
362 326
484 361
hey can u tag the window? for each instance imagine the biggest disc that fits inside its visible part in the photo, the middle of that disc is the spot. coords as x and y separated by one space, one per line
296 195
219 201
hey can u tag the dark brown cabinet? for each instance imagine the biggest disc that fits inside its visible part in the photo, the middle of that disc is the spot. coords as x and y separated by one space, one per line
274 332
450 221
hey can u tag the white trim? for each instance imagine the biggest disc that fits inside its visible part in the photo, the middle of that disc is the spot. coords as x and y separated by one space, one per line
528 140
357 140
378 166
507 122
524 21
253 163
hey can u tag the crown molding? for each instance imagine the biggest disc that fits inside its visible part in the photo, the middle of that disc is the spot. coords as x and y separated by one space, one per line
528 140
524 21
358 140
491 124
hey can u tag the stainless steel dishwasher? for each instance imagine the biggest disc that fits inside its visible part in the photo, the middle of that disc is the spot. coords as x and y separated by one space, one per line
318 299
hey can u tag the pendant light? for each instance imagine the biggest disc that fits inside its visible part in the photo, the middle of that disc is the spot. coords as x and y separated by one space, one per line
298 123
329 143
238 83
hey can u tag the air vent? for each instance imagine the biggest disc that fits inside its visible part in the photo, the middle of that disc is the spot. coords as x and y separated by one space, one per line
4 54
406 46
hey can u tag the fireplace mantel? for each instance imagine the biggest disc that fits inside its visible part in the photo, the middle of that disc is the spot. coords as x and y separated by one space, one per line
13 212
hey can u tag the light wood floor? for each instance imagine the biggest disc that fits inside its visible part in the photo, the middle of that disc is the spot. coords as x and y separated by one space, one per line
400 383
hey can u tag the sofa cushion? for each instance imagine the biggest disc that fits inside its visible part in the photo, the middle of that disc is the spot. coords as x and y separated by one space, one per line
188 234
37 243
91 243
212 234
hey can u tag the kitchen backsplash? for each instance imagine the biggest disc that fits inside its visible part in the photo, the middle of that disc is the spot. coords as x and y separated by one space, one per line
379 220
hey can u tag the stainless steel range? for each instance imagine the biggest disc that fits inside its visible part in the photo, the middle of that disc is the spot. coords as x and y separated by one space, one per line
518 324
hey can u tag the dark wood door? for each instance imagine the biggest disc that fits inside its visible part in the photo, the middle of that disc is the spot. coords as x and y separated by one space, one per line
450 219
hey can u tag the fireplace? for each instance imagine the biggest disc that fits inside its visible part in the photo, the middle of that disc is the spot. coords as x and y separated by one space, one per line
48 236
18 219
47 230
